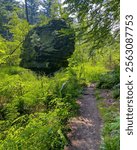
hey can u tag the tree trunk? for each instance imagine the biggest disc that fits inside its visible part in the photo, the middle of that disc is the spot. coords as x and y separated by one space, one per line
26 10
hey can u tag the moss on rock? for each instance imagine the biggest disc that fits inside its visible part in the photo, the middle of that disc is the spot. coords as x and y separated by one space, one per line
47 48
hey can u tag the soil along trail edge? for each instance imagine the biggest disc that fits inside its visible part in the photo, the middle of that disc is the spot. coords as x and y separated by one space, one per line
85 134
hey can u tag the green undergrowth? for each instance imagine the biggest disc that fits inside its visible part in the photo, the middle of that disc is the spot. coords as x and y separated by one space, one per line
111 127
88 73
109 79
34 109
107 95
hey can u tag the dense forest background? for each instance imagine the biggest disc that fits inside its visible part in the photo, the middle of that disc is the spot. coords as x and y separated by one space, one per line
35 107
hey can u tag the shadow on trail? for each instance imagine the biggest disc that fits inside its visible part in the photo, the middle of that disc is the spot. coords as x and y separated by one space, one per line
85 134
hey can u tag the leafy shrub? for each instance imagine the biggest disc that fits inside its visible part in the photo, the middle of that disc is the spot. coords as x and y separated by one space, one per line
35 109
116 93
42 131
86 73
111 135
109 79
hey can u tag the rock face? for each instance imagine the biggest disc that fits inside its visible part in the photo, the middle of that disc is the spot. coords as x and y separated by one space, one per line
47 48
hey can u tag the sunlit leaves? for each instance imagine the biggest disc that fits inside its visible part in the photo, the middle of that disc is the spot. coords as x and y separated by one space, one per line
96 20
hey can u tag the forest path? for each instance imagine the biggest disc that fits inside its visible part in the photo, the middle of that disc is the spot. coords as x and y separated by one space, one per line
85 134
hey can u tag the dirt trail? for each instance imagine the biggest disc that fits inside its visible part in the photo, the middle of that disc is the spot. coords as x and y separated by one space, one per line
85 134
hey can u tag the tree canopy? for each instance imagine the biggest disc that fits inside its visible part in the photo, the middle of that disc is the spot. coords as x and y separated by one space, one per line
98 20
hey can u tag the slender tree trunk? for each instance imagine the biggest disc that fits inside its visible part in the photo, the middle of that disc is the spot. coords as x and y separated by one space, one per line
26 10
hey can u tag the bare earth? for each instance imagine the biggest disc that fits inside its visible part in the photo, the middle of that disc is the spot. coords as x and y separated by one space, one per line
85 134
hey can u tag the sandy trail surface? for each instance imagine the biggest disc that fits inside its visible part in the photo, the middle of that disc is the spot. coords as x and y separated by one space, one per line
85 128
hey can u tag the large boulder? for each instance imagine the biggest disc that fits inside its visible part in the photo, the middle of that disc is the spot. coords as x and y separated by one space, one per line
47 48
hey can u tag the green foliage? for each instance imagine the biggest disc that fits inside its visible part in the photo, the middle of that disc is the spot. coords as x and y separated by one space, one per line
109 110
46 48
96 20
35 109
111 122
41 11
10 49
111 134
42 131
110 79
18 27
116 91
6 8
50 8
108 56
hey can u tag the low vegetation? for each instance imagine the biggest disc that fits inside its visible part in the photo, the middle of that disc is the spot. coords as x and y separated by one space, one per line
107 94
36 108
